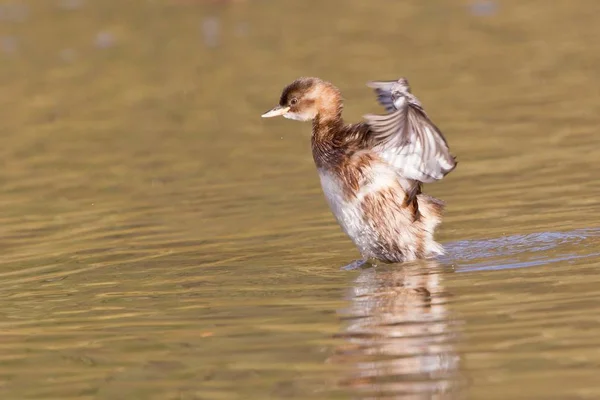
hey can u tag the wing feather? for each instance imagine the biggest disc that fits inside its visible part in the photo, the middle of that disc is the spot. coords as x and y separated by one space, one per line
407 139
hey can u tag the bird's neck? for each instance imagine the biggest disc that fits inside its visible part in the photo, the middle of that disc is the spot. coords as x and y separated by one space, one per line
326 126
326 140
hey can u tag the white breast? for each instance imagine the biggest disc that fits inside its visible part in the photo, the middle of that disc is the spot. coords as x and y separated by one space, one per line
346 212
349 212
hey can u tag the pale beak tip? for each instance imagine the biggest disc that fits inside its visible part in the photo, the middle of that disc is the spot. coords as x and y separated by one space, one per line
275 112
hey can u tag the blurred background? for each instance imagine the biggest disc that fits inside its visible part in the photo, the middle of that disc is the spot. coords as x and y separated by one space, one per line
162 241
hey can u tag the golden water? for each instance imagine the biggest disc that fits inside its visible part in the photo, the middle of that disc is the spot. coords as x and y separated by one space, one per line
161 241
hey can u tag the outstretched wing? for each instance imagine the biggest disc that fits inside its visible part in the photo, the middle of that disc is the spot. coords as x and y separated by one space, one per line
383 89
408 140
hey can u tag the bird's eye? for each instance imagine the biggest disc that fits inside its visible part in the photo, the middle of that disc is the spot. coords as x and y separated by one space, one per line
294 101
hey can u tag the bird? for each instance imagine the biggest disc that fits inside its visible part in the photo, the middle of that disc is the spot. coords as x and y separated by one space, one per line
372 172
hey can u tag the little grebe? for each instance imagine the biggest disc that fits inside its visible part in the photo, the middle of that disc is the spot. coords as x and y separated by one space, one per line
372 172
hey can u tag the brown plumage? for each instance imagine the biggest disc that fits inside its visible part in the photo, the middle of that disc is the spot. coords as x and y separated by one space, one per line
372 172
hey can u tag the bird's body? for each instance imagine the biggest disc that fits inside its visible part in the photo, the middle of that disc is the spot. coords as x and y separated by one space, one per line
371 172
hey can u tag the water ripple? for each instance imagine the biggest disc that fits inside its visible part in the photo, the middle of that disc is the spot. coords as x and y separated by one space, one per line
520 251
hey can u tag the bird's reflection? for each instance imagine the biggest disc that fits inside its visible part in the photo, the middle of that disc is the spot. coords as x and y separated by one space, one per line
400 338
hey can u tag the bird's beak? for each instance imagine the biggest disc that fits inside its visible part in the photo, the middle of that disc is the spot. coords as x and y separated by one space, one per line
276 112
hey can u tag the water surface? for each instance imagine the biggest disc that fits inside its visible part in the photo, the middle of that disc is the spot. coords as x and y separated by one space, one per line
161 241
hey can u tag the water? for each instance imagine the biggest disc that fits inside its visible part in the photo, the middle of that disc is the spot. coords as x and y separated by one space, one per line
162 241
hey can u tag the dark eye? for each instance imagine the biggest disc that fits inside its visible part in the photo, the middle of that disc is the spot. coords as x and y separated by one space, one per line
294 101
